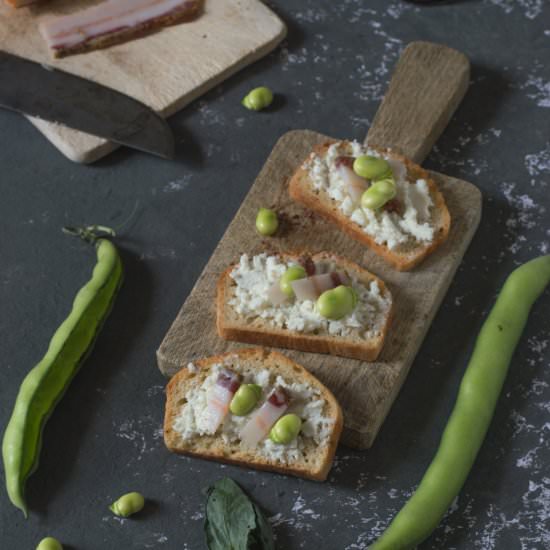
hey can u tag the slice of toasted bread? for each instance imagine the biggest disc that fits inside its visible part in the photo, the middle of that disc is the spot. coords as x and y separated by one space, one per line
406 255
257 330
305 457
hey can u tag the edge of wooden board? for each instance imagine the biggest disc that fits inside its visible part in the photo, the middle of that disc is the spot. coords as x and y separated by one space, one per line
442 266
85 148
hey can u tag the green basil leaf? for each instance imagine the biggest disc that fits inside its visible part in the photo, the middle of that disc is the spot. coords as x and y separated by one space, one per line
230 517
264 534
233 521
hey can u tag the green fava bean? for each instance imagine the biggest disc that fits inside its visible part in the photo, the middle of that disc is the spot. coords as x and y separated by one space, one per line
378 194
127 505
293 273
371 168
286 429
49 543
386 187
258 99
337 303
266 222
245 399
348 297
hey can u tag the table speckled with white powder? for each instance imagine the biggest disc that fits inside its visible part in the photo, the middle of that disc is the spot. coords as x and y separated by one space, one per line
105 437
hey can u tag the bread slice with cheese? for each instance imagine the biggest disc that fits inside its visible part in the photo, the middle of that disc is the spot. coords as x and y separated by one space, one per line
309 455
245 313
404 232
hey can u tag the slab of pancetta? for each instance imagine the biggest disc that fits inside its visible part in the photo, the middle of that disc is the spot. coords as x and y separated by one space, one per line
112 22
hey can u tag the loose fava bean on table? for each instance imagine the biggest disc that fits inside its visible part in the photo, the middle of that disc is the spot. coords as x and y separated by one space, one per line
45 384
258 98
266 222
49 543
128 505
473 410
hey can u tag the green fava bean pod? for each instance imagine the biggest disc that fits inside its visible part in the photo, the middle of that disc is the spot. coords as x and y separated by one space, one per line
49 543
128 505
46 383
473 410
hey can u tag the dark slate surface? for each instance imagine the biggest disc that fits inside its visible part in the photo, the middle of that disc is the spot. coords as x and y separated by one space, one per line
105 436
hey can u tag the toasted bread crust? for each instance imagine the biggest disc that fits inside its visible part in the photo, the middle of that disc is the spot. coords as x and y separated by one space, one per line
301 191
184 380
284 338
124 35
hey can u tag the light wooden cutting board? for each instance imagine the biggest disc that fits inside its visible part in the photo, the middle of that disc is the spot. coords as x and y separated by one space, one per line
428 83
165 70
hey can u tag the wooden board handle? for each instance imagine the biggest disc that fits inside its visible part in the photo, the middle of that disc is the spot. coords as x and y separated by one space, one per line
427 85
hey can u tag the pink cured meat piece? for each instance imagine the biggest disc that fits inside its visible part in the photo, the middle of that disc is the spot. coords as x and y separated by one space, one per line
219 398
312 287
275 295
355 185
263 419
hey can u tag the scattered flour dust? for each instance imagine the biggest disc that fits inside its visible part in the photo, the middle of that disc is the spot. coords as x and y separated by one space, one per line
155 540
526 214
457 155
177 185
530 8
140 433
538 163
157 389
299 508
210 116
396 10
310 15
541 92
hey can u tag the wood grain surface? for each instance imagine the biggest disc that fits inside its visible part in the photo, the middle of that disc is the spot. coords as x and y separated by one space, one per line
165 70
365 391
427 86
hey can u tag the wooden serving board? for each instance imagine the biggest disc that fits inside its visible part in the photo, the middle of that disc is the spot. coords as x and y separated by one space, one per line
165 70
365 391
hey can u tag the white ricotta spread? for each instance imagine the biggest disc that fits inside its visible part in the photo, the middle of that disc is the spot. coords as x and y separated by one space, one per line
305 401
389 228
254 276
